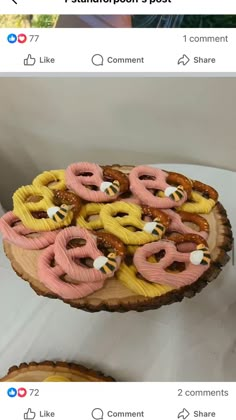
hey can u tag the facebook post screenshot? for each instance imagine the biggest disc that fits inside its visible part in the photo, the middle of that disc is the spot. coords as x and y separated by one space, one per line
117 209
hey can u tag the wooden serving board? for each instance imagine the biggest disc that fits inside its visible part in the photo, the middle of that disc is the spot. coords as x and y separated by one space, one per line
116 297
38 372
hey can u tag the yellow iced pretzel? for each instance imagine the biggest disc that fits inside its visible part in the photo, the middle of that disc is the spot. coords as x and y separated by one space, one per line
57 378
24 208
127 275
198 204
119 226
54 180
87 212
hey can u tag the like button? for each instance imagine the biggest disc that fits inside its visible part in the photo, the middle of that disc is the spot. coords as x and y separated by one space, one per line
29 61
29 414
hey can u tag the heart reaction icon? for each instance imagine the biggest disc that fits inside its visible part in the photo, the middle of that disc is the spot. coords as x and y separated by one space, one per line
22 392
22 38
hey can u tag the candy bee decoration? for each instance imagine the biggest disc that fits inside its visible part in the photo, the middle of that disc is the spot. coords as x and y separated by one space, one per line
84 280
159 224
94 183
58 214
143 231
198 203
196 262
145 179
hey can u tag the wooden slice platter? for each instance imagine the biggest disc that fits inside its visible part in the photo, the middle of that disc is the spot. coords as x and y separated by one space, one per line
41 372
115 296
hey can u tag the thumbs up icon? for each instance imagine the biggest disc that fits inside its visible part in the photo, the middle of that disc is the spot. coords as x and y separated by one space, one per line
29 61
29 414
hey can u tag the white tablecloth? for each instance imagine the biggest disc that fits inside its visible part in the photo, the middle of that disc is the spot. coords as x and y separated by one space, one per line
190 341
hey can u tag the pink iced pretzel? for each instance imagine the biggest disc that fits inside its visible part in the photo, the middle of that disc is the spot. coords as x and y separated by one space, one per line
196 262
69 258
51 278
177 223
69 261
16 233
84 176
144 178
